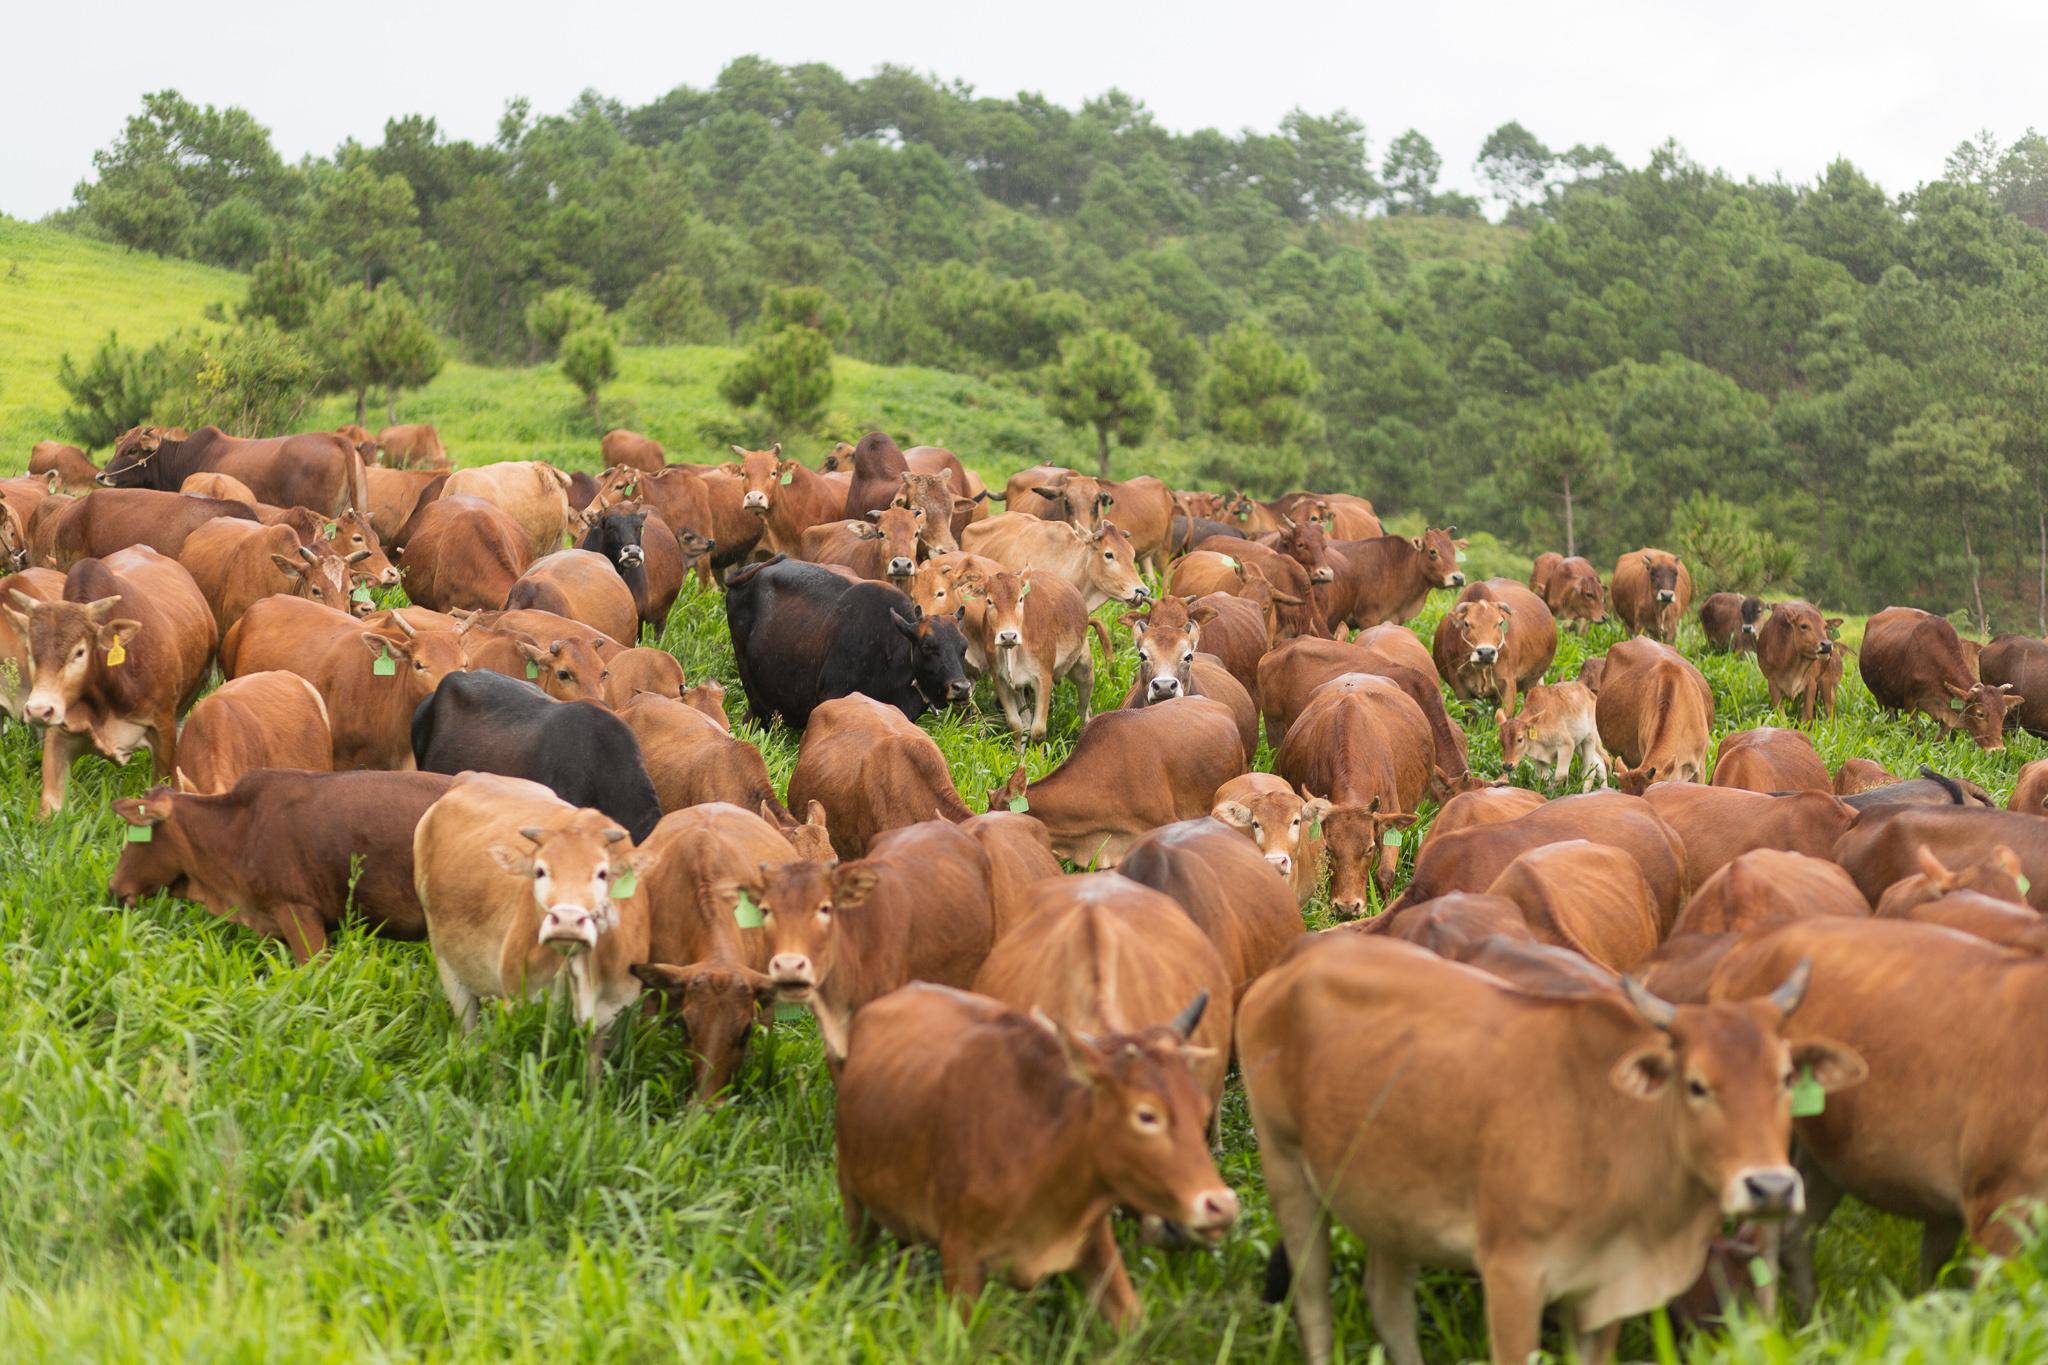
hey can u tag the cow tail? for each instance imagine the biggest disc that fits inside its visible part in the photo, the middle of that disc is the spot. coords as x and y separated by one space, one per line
1101 629
1279 1275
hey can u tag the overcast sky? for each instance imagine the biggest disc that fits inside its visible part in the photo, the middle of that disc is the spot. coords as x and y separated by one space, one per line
1756 89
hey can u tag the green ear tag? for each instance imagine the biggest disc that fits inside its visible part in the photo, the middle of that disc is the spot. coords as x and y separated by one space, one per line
1025 591
385 667
788 475
747 914
141 834
333 529
1315 828
625 884
1020 803
532 670
1392 838
1760 1272
1230 563
361 594
783 1011
1957 704
1461 556
2024 885
1809 1097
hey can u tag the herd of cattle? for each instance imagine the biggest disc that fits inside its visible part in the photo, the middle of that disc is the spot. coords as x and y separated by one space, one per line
1567 1054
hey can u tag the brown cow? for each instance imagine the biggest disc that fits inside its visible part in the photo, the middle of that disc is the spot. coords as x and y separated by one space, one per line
1104 954
1019 856
1655 713
259 720
1303 544
1571 588
1389 578
1365 747
1719 824
349 534
646 669
533 493
1858 775
1450 926
371 679
2030 789
412 446
1768 886
1769 759
112 663
316 469
560 657
1498 640
1142 508
1913 661
1227 889
1652 588
1447 1187
464 552
1794 650
359 437
396 494
916 908
1240 630
17 668
75 473
1031 631
1246 561
872 770
237 564
1088 1124
693 761
287 854
1290 674
581 586
1730 621
116 518
1557 722
1996 878
735 530
1481 806
883 547
935 589
1166 670
946 513
1884 847
787 498
1210 574
1588 897
622 447
1286 827
1129 773
1097 564
2022 661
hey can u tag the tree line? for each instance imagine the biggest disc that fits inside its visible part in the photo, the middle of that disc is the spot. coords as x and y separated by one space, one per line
1818 387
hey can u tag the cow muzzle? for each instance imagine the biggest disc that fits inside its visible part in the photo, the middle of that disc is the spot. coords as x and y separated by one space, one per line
1211 1213
1749 629
793 976
901 567
1352 908
632 556
1764 1192
1282 863
43 709
1666 595
755 502
960 689
1323 575
1484 654
1165 687
1827 647
1457 580
568 928
1008 639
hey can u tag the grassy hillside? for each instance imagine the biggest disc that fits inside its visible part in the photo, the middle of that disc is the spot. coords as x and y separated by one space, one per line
60 292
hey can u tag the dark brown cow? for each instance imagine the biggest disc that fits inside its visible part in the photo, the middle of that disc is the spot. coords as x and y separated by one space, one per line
315 469
872 770
1240 629
414 445
1719 824
1389 578
285 853
1286 827
1571 588
883 547
463 552
582 586
1019 856
1652 588
1290 674
946 513
1655 713
1730 621
1768 886
259 720
1588 897
788 498
1497 641
112 663
1885 845
1769 759
1860 775
1088 1124
1794 650
622 447
1031 631
1913 661
75 473
1226 888
116 518
1129 773
2030 789
694 762
2020 663
237 564
1364 746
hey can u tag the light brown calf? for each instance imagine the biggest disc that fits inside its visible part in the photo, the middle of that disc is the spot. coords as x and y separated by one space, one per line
1556 724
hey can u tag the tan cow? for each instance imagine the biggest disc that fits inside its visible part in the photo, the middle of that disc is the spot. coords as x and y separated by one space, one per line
786 497
259 720
1498 640
1588 897
693 761
1366 747
1389 578
644 668
1770 759
932 495
533 493
2030 789
1998 876
463 552
581 586
1226 888
1286 827
1720 824
1655 713
1652 589
622 447
225 487
1019 857
413 445
1032 632
1794 650
1556 724
75 473
237 564
17 668
872 770
1571 588
883 547
1769 886
395 494
1098 564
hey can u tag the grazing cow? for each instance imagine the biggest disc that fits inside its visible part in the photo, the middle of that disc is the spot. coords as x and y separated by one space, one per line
1187 532
622 447
1472 858
786 498
1451 926
647 556
285 853
525 894
533 493
1365 747
2019 663
1098 564
315 469
1304 544
1142 509
2030 789
1286 827
259 720
1997 877
1571 588
1497 641
1730 621
1884 846
1031 632
1289 675
582 586
1087 1125
488 723
1389 578
412 445
1914 661
1770 759
114 519
1227 889
1655 713
692 761
348 534
1794 651
1768 886
1857 775
1588 897
113 662
1557 722
396 494
1105 955
237 564
646 669
872 771
75 473
1481 806
916 908
561 657
372 674
1652 589
802 635
884 547
1257 518
1447 1186
463 552
1719 824
1129 773
1019 857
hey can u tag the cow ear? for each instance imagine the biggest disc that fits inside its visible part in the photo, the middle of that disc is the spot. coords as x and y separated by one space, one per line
1645 1072
135 811
1931 868
964 504
906 624
875 514
377 644
1833 623
1234 813
1316 808
776 449
2014 698
1500 717
659 975
1834 1065
288 567
1416 541
1202 615
119 633
1134 620
517 861
851 885
1085 1062
733 467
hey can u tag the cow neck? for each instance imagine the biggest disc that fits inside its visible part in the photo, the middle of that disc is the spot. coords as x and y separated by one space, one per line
208 833
1052 1154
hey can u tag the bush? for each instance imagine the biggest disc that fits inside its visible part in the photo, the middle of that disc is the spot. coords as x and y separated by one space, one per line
789 374
671 308
286 288
1726 551
235 233
252 381
590 359
557 313
118 387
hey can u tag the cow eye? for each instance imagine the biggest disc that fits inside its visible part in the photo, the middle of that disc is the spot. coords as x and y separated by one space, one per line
1109 554
1432 554
539 872
562 673
604 874
825 913
1696 1088
1146 1117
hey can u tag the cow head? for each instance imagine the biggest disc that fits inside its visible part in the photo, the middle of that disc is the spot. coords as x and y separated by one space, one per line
422 657
1439 549
1355 840
812 839
1112 567
1997 875
1305 544
568 669
1798 629
355 539
1241 507
932 495
13 539
1481 629
67 645
571 866
1725 1075
1980 709
1167 639
1581 595
1662 571
938 655
1207 506
898 528
1591 671
1287 828
1633 781
1268 599
717 1002
615 534
320 578
708 698
761 473
132 465
1148 1120
1752 616
1516 734
1002 625
163 863
800 904
1078 500
934 587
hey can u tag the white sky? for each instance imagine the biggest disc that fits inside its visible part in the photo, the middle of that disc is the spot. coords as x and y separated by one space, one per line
1752 88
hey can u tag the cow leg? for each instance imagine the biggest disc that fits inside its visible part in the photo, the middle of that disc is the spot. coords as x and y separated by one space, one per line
1083 674
1389 868
961 1269
1994 1219
1938 1238
1514 1307
163 742
1007 699
860 1228
1305 1237
61 749
1796 1242
1596 1345
1563 771
1507 695
302 930
460 997
1390 1293
1101 1267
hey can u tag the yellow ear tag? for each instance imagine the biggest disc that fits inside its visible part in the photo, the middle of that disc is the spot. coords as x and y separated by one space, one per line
116 655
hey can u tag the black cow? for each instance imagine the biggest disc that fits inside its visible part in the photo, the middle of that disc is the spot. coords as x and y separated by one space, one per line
486 722
1929 789
1189 532
649 558
803 634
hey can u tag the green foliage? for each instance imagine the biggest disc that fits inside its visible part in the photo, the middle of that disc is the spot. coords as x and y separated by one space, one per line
1102 382
235 233
144 209
117 387
287 288
1256 398
555 314
806 306
590 360
367 223
1563 462
788 375
253 380
671 307
1721 545
365 338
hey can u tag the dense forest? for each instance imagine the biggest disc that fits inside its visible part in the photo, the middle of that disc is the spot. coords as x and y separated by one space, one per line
1814 387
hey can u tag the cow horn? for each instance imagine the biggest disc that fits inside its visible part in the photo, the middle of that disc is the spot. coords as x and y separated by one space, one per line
1793 989
358 557
306 553
398 617
613 834
532 833
1655 1010
1184 1022
22 599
